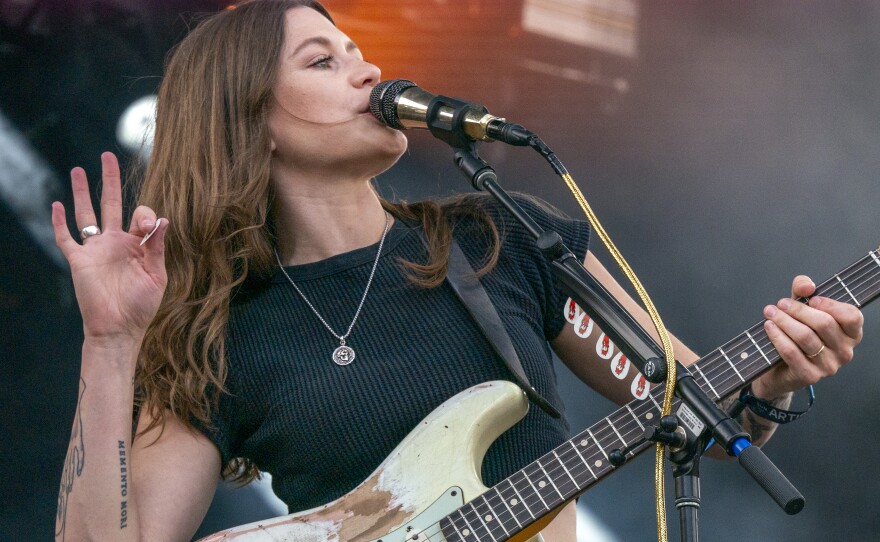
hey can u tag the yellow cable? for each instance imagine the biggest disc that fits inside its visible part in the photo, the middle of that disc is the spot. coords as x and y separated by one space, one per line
659 486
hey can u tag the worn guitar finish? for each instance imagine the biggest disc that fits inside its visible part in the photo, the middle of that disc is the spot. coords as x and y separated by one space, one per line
429 488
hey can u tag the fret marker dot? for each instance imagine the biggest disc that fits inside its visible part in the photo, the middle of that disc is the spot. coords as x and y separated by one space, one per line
542 484
466 532
598 463
649 416
583 442
513 502
489 518
743 356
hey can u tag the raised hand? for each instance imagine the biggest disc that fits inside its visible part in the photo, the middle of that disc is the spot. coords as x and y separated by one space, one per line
119 281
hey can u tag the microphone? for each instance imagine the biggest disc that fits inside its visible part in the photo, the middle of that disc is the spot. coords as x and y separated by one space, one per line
402 105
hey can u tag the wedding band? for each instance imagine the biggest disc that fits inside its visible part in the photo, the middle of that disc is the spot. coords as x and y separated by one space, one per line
817 353
89 231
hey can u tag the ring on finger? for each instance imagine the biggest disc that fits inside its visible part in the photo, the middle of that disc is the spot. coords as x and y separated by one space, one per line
817 352
89 231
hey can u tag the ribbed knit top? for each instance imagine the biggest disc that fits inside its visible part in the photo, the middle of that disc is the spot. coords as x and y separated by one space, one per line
320 429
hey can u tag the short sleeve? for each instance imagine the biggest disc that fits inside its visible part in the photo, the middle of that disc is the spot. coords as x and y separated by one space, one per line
521 246
219 429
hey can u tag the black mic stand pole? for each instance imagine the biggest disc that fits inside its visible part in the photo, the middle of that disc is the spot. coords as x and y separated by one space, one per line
697 415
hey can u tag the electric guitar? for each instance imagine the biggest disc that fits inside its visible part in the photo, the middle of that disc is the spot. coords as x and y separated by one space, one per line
429 489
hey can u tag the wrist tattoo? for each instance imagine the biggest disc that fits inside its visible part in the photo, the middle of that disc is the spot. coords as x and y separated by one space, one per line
123 473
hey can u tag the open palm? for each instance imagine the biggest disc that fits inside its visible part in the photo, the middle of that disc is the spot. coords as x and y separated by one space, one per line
119 281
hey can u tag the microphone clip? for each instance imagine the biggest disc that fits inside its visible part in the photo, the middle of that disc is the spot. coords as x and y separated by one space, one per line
451 127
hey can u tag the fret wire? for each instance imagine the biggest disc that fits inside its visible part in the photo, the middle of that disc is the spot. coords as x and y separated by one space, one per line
561 464
856 301
697 367
573 481
659 408
616 432
863 271
468 523
521 500
601 449
857 264
732 366
483 521
636 418
531 499
550 479
507 516
504 501
575 465
505 512
528 479
484 500
556 471
713 366
759 348
871 273
454 526
586 463
549 491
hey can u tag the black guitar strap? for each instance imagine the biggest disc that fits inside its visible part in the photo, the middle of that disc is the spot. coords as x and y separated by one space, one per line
467 286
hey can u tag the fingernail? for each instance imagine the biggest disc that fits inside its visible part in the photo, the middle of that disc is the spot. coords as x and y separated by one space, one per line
769 311
785 304
147 223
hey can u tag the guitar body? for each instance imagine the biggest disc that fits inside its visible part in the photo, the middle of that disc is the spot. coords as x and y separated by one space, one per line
430 474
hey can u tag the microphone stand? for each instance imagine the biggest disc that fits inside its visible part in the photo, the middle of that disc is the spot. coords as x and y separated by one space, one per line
698 418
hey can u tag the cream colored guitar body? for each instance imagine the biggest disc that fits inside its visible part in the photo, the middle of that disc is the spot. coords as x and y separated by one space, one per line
431 473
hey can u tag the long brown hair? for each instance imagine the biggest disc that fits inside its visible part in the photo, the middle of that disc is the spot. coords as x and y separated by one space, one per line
209 175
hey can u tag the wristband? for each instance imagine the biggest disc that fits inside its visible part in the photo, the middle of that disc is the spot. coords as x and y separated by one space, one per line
766 409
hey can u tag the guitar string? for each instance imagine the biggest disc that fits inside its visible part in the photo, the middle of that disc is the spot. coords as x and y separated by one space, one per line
566 453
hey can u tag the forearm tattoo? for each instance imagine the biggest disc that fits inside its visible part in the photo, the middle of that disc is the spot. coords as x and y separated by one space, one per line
73 465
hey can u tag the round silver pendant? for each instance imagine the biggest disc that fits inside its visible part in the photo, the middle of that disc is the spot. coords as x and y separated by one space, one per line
343 355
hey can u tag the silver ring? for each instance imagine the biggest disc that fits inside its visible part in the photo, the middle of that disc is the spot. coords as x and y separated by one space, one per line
89 231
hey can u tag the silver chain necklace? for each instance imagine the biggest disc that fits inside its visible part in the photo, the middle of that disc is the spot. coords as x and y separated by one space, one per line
343 355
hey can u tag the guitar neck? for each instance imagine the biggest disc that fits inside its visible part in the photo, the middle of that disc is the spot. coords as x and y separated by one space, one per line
567 471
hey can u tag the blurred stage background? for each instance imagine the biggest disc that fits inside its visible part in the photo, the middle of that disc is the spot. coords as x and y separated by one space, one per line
725 146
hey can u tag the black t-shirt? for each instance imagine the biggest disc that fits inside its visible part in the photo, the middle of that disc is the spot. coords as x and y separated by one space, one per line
320 429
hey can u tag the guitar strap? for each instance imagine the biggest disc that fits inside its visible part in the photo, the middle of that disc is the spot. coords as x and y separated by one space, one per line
462 277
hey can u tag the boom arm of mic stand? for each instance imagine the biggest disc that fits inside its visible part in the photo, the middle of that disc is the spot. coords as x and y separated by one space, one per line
623 330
